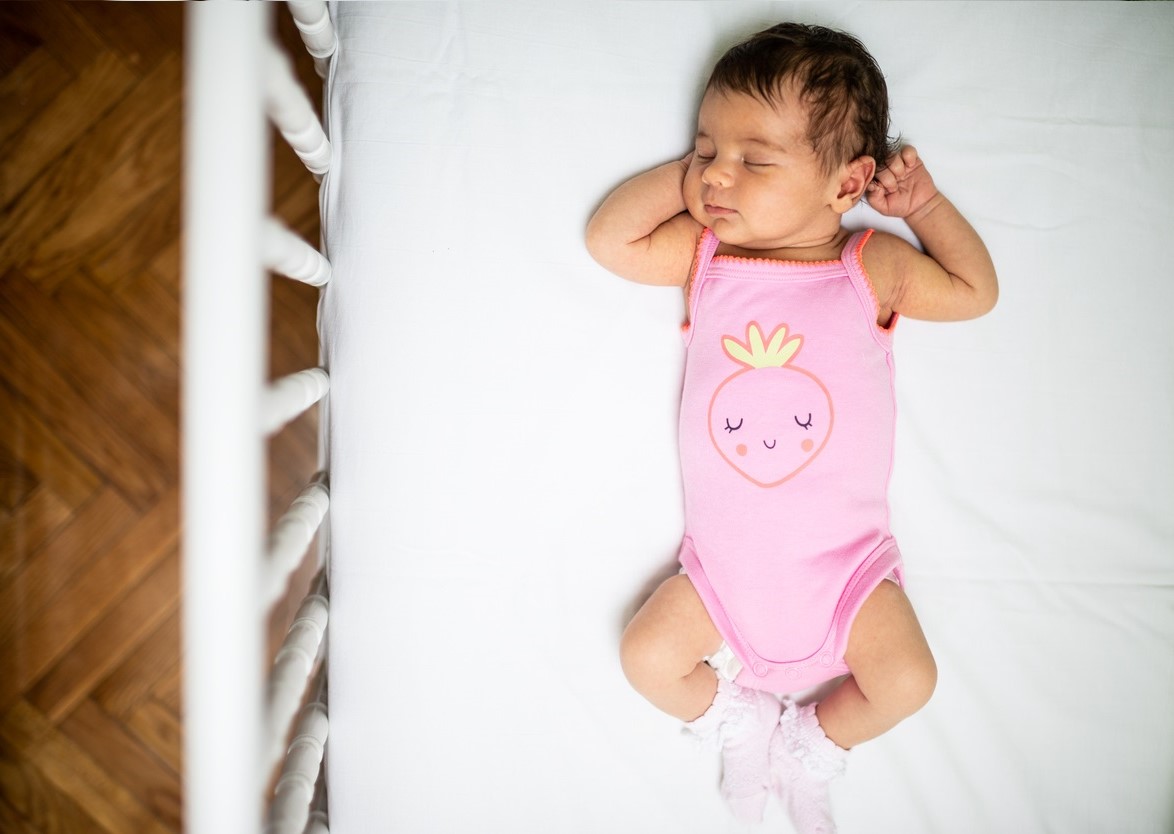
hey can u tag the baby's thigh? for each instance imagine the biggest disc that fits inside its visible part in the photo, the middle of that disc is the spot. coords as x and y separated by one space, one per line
886 647
673 624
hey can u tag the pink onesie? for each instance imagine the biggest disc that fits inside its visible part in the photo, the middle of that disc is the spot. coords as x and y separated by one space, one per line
787 418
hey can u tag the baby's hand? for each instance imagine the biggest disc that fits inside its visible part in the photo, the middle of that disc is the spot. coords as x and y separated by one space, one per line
903 186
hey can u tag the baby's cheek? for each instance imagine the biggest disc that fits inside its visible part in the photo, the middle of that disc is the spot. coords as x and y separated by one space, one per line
807 445
691 191
740 449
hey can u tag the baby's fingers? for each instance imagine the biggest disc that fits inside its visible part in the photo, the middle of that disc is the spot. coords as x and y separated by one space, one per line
895 164
886 179
902 163
909 158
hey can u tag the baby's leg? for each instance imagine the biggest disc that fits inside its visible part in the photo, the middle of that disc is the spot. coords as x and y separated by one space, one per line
893 671
663 648
893 675
662 653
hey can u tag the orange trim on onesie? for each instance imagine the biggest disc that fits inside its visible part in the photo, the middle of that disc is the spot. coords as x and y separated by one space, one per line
858 257
784 261
692 282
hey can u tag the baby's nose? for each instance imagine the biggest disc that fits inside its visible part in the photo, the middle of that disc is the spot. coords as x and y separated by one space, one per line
718 174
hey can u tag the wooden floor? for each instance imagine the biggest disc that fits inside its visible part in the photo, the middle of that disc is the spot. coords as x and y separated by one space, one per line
90 248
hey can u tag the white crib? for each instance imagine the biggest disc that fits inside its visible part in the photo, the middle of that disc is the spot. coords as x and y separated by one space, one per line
499 459
238 719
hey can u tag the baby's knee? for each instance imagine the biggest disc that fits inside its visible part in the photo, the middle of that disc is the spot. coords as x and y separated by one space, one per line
641 655
916 685
668 637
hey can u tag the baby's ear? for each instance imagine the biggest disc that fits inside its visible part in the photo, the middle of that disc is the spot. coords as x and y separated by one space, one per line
854 178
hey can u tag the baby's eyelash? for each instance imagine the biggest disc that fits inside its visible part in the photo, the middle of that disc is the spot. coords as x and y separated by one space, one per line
806 425
732 429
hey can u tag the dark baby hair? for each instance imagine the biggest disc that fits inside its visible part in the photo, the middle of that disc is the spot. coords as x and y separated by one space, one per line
837 80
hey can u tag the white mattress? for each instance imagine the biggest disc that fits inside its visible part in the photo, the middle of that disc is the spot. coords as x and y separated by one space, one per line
502 419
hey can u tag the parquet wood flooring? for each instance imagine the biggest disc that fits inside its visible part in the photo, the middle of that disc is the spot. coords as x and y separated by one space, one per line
90 286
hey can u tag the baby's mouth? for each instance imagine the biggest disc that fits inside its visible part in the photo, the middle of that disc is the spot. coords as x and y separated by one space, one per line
770 445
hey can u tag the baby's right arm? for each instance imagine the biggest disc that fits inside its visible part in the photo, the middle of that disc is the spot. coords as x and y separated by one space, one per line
642 231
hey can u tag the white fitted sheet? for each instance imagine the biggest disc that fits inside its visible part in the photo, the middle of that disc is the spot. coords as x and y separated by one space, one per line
502 419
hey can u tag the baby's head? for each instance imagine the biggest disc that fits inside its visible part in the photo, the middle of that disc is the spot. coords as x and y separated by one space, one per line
835 78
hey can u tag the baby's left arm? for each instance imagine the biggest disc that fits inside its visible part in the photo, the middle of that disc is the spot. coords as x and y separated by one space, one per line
955 278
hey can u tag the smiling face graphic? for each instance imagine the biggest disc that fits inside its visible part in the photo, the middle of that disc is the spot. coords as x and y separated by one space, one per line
769 419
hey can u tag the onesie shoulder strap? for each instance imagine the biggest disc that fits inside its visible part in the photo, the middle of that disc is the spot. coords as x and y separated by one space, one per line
852 257
706 247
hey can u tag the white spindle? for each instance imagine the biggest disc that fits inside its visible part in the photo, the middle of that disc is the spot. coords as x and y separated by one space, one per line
290 110
291 538
317 824
290 811
289 255
225 322
313 21
292 395
292 669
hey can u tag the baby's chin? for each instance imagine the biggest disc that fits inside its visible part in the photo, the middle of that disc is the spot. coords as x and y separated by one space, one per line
721 228
731 235
728 232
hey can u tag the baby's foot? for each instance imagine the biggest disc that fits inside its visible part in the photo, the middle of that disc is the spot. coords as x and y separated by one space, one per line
803 761
746 738
740 723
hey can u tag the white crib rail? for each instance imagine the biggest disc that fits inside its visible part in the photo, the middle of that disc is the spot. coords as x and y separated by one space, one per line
224 322
290 110
287 254
291 537
292 669
313 21
290 812
234 723
291 396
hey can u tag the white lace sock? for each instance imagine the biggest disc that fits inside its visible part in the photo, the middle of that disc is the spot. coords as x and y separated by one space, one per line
803 761
741 723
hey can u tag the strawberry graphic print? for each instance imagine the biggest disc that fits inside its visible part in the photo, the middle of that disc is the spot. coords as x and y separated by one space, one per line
771 418
786 439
